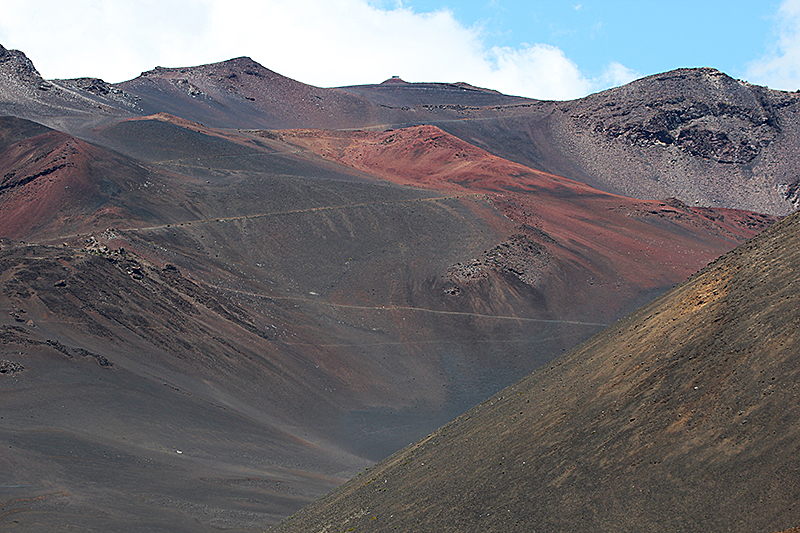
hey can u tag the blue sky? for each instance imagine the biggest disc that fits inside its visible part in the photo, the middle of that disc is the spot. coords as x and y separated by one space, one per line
647 37
541 49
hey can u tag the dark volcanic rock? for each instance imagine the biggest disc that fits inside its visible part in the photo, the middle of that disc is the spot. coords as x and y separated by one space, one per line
703 111
20 76
10 367
694 134
94 85
72 105
17 64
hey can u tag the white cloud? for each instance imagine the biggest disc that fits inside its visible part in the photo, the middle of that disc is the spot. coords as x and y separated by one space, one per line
348 41
540 70
314 41
780 69
614 75
113 39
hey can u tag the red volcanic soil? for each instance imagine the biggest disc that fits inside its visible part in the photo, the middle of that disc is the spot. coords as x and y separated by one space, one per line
423 156
648 243
48 180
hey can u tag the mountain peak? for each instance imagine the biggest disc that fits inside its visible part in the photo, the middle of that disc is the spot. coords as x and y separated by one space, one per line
20 72
242 65
18 62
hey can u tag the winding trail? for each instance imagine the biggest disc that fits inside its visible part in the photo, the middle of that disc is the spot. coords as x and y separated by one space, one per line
261 215
407 308
304 210
339 305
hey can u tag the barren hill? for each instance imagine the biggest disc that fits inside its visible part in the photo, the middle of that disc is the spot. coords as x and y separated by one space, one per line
207 324
681 417
693 134
242 93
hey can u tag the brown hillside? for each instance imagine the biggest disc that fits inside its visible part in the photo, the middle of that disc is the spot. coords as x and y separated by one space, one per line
681 417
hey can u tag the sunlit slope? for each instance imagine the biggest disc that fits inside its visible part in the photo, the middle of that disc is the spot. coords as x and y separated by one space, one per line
285 307
681 416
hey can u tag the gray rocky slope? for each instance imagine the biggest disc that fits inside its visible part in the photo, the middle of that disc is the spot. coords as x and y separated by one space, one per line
694 134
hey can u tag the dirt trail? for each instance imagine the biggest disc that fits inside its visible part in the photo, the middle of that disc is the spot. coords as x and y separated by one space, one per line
62 238
408 308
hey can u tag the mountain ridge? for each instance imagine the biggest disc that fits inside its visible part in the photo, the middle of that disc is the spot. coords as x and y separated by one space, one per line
733 132
237 290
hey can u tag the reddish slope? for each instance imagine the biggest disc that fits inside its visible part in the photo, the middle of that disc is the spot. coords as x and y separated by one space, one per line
681 417
568 234
423 156
51 180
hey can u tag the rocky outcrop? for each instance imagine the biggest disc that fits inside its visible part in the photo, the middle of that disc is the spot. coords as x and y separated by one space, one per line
10 367
16 65
727 121
520 256
96 86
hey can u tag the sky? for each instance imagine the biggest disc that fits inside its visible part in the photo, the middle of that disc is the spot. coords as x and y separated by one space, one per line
546 49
